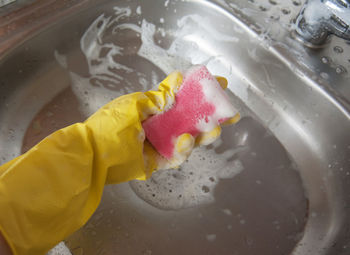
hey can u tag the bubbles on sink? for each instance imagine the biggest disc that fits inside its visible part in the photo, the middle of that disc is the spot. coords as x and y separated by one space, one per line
138 10
325 60
340 69
60 249
274 16
286 10
273 2
338 49
193 183
296 2
211 237
61 59
324 75
263 8
112 76
227 212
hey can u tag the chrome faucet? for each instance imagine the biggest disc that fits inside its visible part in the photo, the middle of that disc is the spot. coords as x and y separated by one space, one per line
319 19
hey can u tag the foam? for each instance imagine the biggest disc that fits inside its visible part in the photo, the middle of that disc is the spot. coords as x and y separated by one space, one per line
193 184
60 249
138 10
188 48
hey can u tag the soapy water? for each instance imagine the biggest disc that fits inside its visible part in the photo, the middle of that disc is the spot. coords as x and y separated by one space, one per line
60 249
110 77
193 183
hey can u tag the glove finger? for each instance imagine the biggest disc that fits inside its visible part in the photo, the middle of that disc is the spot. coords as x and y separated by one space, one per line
232 120
222 81
164 97
153 161
184 144
183 147
206 138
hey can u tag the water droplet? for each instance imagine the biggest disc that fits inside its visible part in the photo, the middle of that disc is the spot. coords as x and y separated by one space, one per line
340 69
285 11
248 240
338 49
205 189
211 237
275 16
242 222
147 252
227 212
273 2
325 60
324 75
296 2
262 8
258 182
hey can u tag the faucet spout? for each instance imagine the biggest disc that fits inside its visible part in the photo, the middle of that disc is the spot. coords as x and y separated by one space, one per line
319 19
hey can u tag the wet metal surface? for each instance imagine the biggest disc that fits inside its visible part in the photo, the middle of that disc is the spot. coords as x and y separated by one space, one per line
275 183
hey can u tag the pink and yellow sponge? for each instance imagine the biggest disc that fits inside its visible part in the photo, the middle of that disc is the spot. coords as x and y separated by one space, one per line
200 106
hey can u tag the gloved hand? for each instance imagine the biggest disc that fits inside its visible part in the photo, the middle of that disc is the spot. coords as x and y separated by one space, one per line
52 190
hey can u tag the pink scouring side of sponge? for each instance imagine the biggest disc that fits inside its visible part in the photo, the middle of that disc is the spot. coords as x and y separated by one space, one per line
194 111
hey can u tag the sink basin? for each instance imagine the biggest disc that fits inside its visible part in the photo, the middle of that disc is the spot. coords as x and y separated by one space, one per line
278 182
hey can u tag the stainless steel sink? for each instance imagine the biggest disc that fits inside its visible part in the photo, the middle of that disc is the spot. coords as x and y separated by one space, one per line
278 182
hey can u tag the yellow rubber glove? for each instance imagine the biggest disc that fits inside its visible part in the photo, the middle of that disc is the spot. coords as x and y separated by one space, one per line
52 190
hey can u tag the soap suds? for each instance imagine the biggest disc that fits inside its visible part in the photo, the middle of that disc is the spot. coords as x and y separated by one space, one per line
60 249
223 108
192 184
138 10
211 237
110 78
